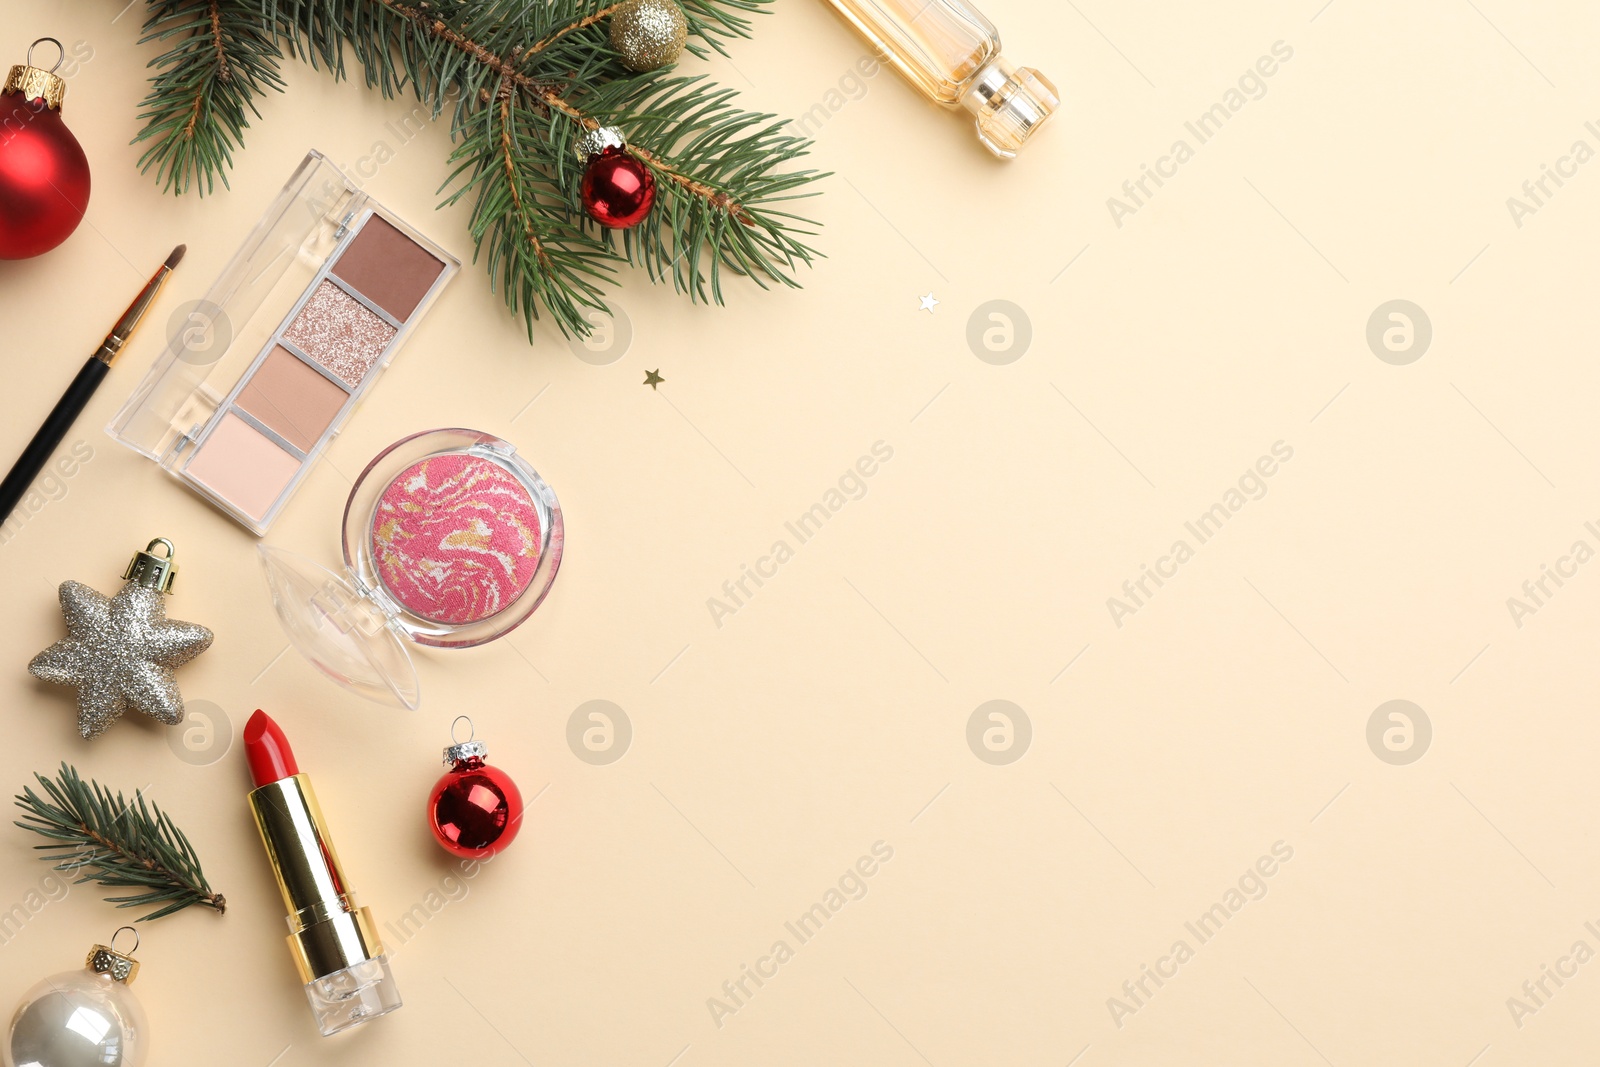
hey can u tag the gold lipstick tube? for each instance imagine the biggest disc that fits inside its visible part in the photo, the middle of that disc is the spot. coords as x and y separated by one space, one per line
334 941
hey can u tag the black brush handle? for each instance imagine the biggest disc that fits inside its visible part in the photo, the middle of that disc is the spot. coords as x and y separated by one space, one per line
55 427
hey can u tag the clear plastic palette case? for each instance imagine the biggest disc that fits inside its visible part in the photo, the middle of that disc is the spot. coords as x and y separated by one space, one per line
271 363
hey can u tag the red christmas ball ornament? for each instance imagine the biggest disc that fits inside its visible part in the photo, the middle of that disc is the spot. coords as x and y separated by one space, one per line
44 175
617 190
475 810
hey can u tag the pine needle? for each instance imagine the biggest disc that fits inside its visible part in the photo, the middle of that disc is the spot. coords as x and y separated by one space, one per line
106 839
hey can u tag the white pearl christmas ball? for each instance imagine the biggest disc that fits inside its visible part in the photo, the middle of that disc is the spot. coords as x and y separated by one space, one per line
78 1019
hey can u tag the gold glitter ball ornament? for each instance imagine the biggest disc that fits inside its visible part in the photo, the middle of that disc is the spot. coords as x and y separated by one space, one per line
649 33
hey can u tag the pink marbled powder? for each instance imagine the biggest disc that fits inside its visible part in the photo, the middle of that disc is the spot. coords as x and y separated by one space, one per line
456 538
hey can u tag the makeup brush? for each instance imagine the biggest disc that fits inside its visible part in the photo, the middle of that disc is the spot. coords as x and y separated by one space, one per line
73 401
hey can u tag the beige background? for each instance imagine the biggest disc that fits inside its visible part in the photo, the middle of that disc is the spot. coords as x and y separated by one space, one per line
831 711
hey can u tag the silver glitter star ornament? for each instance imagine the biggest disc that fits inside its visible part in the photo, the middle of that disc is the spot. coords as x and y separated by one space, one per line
120 651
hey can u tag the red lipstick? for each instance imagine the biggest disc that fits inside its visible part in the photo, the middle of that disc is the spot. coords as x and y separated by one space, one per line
333 939
268 750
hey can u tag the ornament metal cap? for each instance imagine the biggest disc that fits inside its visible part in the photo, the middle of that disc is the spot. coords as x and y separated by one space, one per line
457 751
118 966
153 571
36 83
591 143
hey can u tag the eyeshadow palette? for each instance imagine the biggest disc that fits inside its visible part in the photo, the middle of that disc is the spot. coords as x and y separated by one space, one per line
272 362
451 539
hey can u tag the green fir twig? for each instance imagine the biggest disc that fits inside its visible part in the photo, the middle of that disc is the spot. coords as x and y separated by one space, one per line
106 839
222 56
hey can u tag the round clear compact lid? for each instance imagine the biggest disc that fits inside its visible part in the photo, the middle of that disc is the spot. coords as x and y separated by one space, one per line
344 634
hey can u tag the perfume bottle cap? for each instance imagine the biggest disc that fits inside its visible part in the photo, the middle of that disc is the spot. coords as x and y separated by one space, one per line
153 571
1009 103
36 83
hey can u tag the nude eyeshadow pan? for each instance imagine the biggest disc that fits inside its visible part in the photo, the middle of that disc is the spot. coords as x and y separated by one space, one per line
290 396
244 465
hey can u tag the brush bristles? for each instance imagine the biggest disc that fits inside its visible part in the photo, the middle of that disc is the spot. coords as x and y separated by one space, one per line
177 256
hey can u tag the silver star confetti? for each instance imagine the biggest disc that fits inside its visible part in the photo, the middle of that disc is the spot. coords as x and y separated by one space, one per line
120 653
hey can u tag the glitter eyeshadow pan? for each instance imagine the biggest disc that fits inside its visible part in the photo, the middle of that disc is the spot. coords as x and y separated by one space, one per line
287 342
334 329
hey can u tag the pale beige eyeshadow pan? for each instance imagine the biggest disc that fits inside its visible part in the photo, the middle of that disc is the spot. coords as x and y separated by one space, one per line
243 466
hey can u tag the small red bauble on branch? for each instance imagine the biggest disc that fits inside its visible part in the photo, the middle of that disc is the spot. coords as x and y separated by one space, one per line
44 175
617 189
475 810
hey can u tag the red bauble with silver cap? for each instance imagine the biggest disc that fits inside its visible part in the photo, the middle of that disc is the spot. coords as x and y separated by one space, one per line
475 810
617 189
44 175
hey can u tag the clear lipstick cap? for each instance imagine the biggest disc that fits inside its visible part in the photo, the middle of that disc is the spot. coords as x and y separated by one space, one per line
350 997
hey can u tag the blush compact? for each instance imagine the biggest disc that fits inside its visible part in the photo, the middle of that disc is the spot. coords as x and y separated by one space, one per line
451 539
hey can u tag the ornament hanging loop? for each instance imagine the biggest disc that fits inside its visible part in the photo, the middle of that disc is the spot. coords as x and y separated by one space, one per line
36 83
460 751
118 933
61 53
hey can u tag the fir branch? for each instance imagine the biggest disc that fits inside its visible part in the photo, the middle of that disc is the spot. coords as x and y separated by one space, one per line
537 253
522 80
581 24
117 843
224 58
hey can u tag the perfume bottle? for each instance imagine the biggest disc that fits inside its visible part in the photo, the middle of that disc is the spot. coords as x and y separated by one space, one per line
951 53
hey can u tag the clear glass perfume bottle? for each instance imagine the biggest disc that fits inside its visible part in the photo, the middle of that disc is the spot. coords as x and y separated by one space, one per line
951 53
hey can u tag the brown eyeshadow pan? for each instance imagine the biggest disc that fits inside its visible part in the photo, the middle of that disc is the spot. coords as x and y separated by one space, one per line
291 399
388 268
